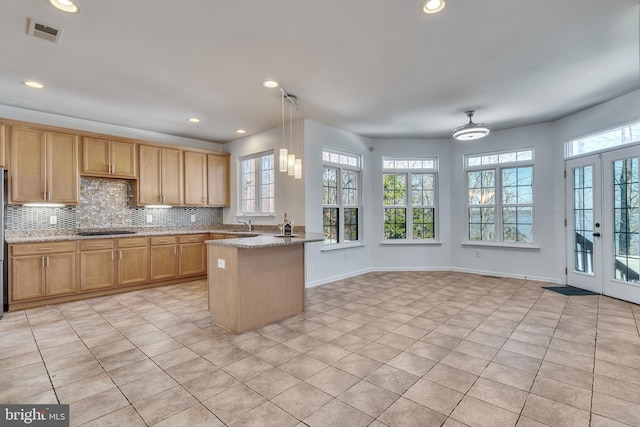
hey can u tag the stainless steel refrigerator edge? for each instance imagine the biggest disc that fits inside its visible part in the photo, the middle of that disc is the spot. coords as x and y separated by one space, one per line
4 285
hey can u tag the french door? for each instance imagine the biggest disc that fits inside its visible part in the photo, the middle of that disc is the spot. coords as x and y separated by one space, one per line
603 223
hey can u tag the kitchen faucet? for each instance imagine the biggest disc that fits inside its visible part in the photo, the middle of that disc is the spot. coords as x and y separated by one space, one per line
247 223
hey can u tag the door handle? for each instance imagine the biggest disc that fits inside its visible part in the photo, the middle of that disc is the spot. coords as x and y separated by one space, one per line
596 234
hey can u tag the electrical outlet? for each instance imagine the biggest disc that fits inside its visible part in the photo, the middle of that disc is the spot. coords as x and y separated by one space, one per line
53 220
193 218
149 218
220 263
477 254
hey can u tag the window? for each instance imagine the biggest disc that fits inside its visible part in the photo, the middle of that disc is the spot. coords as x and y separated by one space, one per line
604 140
500 197
258 188
340 197
409 198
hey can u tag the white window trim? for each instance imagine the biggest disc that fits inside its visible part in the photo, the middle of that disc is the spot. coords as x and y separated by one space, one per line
257 214
497 167
436 218
358 169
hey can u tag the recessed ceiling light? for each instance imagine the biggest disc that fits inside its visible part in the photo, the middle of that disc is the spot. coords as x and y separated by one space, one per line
194 119
433 6
64 5
241 131
33 84
270 84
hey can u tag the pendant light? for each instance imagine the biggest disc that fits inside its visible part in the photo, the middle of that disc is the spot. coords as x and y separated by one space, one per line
283 151
297 168
471 130
291 159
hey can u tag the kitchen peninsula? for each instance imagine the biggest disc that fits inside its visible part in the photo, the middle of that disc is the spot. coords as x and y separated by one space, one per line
255 281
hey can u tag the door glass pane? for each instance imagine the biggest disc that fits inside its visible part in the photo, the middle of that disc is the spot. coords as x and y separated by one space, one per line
625 219
583 214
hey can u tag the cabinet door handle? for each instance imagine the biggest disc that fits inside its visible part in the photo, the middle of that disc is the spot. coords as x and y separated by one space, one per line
44 195
163 241
47 261
43 262
132 243
111 255
49 196
97 246
180 249
120 255
45 249
174 250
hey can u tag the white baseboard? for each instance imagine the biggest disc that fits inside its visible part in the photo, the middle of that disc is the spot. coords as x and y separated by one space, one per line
509 275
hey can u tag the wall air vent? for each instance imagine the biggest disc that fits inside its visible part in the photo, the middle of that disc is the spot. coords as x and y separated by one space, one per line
43 31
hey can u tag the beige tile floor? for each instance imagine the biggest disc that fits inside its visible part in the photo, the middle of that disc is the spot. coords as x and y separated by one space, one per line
395 349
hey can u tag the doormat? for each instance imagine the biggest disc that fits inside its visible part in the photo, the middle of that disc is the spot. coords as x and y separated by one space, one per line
569 290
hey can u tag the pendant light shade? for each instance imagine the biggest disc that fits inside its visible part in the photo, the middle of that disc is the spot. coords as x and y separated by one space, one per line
291 164
297 169
283 158
471 130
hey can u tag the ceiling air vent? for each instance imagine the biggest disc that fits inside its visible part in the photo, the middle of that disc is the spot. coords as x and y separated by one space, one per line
43 31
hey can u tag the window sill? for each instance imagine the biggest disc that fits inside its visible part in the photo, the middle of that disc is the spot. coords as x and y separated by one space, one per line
405 242
501 244
339 246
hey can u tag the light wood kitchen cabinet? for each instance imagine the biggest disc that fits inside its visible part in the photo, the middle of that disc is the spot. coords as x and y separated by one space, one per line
195 179
193 255
108 158
44 166
97 264
218 180
160 178
4 129
164 258
133 261
40 270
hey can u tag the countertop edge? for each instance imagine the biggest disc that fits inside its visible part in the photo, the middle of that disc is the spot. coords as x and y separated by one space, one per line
76 237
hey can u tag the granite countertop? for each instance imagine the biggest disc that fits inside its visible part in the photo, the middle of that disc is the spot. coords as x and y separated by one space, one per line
40 236
268 240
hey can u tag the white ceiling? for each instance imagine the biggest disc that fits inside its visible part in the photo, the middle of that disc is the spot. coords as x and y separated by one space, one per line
379 68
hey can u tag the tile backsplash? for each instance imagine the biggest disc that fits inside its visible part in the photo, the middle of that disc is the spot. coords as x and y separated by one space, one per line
106 203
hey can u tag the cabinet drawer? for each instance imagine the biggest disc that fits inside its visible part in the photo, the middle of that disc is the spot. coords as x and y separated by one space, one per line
94 245
193 238
42 248
164 240
135 242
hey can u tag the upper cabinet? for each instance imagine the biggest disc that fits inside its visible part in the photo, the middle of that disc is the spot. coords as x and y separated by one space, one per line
160 178
218 180
195 179
44 166
107 158
4 130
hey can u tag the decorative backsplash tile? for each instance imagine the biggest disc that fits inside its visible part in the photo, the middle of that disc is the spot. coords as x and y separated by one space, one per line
107 203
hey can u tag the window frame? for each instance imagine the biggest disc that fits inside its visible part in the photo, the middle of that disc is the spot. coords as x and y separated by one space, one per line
428 166
497 162
259 199
351 163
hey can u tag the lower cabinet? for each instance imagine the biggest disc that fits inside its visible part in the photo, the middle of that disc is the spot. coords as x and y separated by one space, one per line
39 270
97 264
164 258
193 255
133 261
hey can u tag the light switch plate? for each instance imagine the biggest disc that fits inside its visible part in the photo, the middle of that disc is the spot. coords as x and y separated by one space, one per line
149 218
53 220
193 218
220 263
